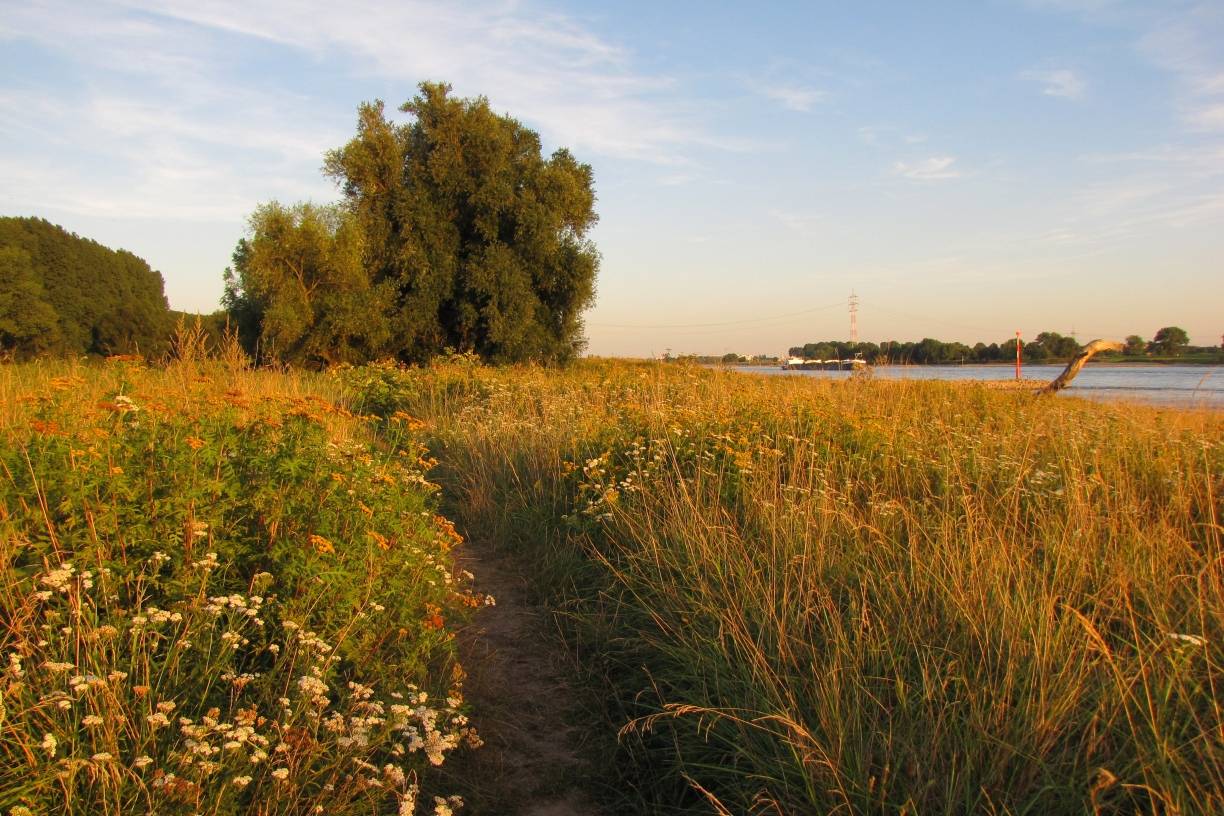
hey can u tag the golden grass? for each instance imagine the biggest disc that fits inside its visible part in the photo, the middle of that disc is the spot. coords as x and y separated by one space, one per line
866 597
798 596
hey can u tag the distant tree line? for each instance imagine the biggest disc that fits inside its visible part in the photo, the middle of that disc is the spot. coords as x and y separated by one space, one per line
1170 341
61 293
455 232
730 358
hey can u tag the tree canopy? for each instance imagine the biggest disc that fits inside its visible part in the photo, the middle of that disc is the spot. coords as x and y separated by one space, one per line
304 295
1048 346
28 322
1058 345
63 293
455 232
1170 340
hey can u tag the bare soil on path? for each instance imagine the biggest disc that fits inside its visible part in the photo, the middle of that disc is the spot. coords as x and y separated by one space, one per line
534 761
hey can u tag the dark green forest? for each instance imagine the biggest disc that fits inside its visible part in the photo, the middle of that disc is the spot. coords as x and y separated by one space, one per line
64 294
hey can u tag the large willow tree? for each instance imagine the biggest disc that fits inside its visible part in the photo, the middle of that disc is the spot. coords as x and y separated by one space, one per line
470 240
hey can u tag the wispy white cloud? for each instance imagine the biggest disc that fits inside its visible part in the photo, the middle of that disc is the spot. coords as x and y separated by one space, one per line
800 222
1206 161
1087 8
1176 184
1182 39
169 101
1187 45
935 168
886 135
1207 116
1142 192
123 154
1063 83
793 97
577 88
1210 83
678 179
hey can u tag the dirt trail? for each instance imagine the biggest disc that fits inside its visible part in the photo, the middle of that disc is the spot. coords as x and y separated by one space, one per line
531 763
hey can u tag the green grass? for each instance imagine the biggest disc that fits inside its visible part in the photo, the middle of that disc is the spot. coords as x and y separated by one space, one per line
1209 357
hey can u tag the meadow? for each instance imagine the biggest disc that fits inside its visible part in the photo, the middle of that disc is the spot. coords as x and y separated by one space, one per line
857 597
220 592
233 591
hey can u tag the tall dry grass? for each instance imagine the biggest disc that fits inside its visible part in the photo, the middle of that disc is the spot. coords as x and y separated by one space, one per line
859 597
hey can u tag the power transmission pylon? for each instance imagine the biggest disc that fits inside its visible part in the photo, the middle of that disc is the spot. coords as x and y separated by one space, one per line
853 317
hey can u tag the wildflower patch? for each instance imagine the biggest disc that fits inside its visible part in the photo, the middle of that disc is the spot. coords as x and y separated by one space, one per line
218 600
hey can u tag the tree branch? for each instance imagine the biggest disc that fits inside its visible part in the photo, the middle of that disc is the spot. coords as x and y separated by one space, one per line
1062 380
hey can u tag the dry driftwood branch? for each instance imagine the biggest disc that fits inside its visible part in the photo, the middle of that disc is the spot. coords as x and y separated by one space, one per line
1062 380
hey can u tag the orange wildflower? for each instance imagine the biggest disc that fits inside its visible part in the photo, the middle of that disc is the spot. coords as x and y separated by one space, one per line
450 536
411 422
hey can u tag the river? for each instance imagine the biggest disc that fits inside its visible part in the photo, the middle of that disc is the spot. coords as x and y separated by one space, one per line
1196 386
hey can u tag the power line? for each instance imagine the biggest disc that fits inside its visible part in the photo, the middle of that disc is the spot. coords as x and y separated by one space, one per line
792 325
854 302
990 332
720 323
935 320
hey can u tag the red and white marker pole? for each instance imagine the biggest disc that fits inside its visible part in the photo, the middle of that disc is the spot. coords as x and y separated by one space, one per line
1017 355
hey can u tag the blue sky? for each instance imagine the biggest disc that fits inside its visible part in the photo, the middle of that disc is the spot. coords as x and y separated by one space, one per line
969 169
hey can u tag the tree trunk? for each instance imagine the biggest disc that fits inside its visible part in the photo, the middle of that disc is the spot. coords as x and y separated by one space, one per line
1062 380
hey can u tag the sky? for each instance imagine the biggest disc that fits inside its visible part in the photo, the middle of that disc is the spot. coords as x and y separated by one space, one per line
968 169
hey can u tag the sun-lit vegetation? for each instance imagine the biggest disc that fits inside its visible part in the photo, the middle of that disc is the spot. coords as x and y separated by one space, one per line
220 592
859 597
231 591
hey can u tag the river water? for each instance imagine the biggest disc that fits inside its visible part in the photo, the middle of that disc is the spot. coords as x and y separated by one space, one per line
1196 386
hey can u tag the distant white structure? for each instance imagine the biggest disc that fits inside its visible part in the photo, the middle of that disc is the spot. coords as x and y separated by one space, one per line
808 365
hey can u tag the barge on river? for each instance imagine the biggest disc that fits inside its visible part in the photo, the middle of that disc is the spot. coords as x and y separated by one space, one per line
802 364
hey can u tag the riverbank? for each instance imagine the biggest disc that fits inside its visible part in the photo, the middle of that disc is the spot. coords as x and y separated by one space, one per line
812 594
1101 359
1167 385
